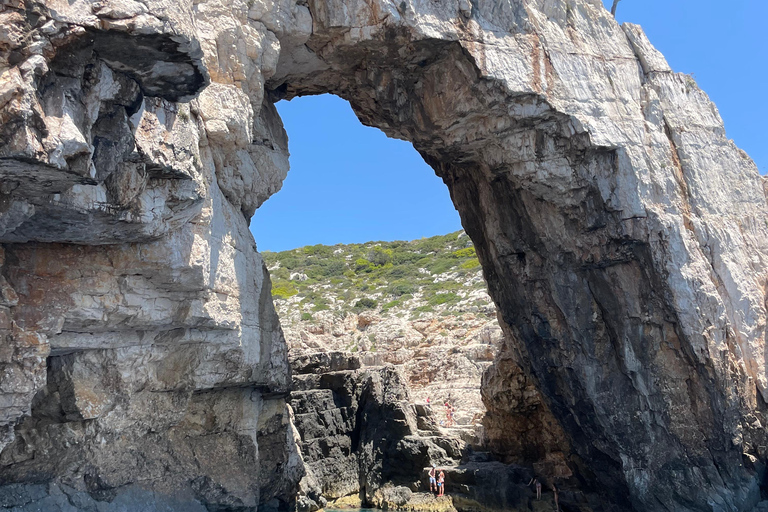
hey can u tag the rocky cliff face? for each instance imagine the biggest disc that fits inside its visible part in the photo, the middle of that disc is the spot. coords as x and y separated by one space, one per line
143 365
620 232
622 235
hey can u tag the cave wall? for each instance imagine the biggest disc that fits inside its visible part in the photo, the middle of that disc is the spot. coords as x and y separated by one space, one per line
621 233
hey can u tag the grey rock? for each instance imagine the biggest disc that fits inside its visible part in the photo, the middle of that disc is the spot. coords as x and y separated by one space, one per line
358 431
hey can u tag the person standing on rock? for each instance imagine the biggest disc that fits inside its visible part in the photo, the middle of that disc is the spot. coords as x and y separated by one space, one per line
557 500
441 483
537 485
433 479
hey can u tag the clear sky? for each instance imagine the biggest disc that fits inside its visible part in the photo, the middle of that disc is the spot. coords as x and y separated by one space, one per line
350 183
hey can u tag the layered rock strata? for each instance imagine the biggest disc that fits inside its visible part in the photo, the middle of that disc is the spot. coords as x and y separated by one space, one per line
621 233
143 363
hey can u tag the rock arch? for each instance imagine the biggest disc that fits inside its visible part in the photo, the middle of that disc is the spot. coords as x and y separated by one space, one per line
620 232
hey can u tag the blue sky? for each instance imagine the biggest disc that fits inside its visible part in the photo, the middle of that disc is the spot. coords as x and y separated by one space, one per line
350 183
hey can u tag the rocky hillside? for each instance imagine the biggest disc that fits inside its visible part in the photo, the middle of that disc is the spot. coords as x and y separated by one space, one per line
421 305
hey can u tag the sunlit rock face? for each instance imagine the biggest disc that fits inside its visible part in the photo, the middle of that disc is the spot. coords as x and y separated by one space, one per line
622 235
143 365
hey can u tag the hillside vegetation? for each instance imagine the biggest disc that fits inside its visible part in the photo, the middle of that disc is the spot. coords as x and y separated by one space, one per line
436 274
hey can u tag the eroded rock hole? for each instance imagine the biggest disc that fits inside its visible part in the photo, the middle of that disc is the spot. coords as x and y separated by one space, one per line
381 334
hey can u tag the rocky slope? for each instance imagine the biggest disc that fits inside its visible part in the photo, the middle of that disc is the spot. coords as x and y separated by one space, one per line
421 306
622 235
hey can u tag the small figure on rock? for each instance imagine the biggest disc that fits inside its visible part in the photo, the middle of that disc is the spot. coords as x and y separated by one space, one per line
429 402
441 483
537 485
433 479
557 501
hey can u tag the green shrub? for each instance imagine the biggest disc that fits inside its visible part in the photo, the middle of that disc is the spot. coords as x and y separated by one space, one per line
470 264
306 317
283 291
280 274
363 265
365 303
332 267
467 252
443 298
441 286
402 257
441 264
291 262
391 304
380 256
399 288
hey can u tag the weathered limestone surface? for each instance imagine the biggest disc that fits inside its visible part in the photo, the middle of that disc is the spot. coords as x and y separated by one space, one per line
622 235
143 365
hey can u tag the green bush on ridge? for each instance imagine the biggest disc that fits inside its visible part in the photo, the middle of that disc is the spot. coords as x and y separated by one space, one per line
365 303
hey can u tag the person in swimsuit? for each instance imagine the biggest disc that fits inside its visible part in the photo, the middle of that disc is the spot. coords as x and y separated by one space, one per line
441 483
557 500
537 485
433 479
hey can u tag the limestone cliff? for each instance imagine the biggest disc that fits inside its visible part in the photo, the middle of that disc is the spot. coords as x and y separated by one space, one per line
143 365
622 235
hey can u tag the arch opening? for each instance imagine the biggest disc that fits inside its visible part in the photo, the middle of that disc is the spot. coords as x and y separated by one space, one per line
512 164
406 306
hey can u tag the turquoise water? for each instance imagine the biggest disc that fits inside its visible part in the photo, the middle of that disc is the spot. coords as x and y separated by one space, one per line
351 510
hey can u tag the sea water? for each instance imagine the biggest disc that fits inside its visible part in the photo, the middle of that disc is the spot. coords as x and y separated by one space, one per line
351 510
